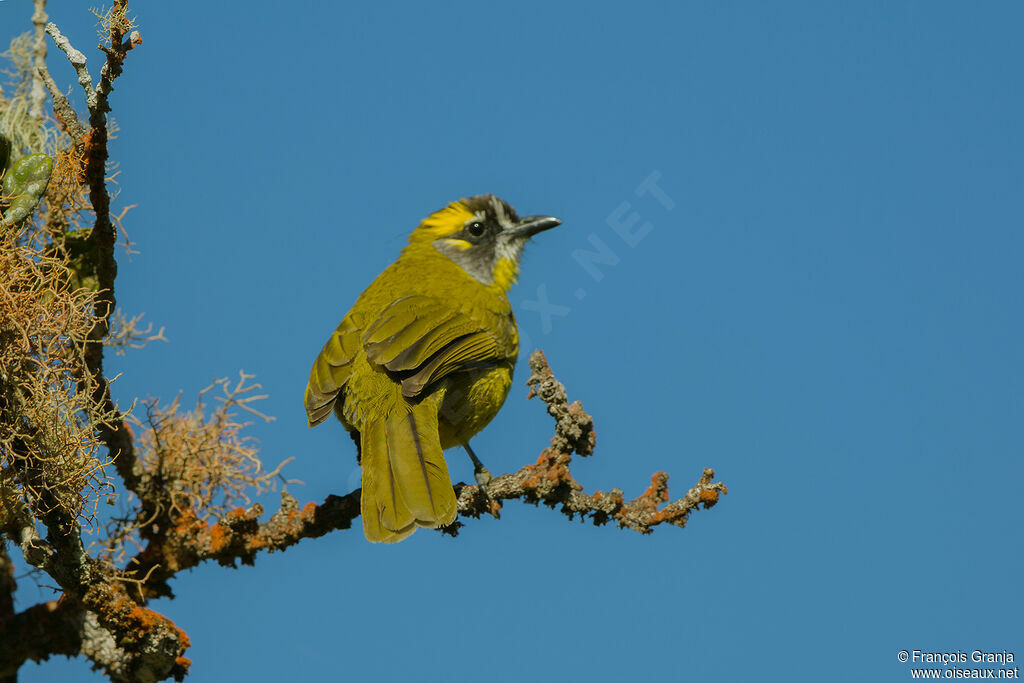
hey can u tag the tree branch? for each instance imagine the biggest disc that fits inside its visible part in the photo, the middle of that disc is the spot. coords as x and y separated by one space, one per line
149 646
130 642
59 627
49 628
239 536
7 583
549 480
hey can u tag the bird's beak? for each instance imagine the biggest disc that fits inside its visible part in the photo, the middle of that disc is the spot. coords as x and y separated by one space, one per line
531 225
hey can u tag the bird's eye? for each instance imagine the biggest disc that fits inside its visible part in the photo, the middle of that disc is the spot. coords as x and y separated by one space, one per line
476 228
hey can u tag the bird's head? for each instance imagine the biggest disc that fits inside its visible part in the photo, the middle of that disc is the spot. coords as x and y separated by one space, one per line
483 235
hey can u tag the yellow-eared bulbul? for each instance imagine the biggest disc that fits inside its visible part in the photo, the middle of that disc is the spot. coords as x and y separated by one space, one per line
424 360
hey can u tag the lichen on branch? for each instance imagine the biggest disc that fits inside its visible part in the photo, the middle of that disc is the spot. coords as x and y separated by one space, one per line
212 466
550 481
240 535
48 438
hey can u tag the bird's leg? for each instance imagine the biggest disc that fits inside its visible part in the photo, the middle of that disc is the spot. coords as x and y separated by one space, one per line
359 445
480 473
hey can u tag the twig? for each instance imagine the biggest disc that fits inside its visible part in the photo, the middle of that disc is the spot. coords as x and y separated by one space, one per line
38 94
77 60
550 482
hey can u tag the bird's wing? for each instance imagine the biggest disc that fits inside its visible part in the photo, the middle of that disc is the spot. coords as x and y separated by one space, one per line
424 339
330 371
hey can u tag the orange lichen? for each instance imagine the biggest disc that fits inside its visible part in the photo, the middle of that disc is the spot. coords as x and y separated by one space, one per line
657 492
660 516
131 624
549 473
88 146
68 173
709 497
188 524
220 537
145 618
256 543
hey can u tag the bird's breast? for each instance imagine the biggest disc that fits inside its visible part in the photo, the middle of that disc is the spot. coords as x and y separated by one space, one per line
471 400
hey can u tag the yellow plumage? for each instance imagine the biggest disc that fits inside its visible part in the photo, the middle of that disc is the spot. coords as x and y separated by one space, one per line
424 360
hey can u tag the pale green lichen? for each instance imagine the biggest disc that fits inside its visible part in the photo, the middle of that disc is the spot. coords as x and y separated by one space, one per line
23 186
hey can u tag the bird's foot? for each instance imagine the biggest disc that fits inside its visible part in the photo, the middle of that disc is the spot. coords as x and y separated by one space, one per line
480 473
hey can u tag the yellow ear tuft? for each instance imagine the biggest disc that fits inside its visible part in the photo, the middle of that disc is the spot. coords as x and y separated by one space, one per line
447 221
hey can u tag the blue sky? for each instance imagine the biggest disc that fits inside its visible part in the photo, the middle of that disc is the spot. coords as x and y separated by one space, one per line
829 315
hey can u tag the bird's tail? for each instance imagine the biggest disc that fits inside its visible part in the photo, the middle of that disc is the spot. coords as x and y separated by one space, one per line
405 477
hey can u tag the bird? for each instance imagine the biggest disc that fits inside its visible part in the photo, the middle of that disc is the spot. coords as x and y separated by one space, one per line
424 360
